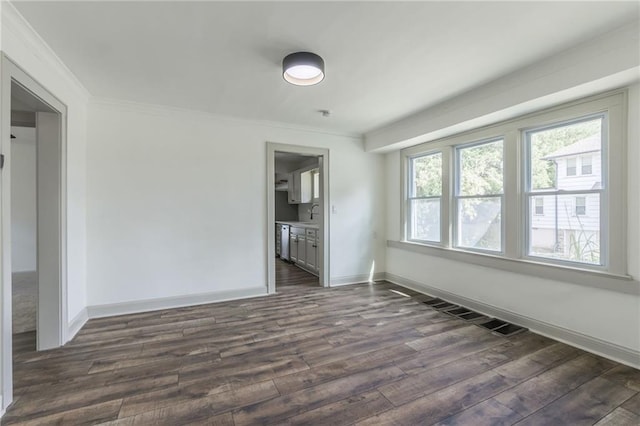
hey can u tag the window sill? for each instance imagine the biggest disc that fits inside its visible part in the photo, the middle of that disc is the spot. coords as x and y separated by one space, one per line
592 278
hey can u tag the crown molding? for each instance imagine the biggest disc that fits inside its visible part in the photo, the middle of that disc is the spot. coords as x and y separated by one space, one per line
13 22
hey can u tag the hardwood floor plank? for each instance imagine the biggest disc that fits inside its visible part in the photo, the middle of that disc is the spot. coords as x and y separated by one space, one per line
418 385
369 345
208 398
633 404
460 334
585 405
344 412
53 403
92 414
534 394
445 403
276 410
620 417
624 375
487 413
328 372
433 407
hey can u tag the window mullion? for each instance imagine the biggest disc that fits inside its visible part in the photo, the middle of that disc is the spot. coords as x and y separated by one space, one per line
446 219
512 201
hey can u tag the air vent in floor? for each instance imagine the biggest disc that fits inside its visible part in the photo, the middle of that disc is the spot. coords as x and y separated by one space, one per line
433 302
493 324
472 316
509 330
458 311
445 306
497 326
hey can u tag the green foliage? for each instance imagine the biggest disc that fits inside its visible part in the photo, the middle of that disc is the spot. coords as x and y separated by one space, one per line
427 172
545 142
481 169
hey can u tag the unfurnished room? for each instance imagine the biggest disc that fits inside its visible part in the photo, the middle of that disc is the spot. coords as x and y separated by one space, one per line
320 213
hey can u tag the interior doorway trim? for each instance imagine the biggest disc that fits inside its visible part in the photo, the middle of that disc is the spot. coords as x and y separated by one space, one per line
11 72
323 156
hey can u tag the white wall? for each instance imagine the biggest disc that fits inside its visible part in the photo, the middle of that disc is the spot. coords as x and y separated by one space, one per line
605 315
177 202
23 200
29 52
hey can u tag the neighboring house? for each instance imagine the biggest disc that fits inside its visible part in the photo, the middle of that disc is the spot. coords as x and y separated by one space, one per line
573 228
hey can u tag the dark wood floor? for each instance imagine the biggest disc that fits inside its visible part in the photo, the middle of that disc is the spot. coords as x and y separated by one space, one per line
350 355
290 275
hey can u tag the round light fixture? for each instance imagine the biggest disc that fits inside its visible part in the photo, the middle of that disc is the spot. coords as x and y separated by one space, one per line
303 68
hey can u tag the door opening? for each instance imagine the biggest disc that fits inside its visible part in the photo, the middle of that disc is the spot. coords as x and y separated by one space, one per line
33 220
297 219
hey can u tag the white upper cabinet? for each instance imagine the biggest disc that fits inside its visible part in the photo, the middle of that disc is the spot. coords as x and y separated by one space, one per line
301 187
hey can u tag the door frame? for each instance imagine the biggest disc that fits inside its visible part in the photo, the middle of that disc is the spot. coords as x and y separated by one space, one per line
11 72
323 157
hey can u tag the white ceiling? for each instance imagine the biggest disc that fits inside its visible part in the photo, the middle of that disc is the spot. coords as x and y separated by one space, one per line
384 61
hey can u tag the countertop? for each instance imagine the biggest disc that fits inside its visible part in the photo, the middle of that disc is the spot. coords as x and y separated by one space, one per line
311 225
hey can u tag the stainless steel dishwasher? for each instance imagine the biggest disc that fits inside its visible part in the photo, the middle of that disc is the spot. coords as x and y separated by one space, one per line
283 241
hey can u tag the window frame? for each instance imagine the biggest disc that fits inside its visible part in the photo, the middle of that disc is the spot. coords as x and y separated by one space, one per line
409 198
528 191
535 206
574 167
583 205
613 222
456 197
582 164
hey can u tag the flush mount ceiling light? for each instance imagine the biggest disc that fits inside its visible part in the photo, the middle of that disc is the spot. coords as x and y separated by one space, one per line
303 68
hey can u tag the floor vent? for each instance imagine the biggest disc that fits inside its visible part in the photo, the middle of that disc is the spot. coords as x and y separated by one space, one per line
445 306
495 325
472 316
458 311
509 330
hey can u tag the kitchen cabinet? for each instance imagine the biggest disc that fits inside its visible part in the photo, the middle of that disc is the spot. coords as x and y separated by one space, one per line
294 188
311 250
295 244
301 186
293 248
303 250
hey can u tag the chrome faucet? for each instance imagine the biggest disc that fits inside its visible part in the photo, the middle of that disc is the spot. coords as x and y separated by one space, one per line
311 210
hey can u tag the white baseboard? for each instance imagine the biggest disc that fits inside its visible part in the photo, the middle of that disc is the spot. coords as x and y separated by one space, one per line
356 279
76 324
112 309
594 345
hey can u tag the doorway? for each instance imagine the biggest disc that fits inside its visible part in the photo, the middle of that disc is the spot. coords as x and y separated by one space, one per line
33 219
297 216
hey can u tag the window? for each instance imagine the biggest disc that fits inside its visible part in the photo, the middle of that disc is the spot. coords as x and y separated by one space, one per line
546 188
571 166
581 206
316 184
539 206
425 198
479 195
564 235
587 167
